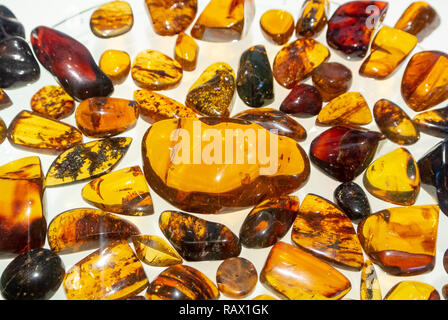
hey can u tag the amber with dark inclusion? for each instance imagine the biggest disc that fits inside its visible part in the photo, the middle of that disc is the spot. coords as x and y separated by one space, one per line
412 290
53 101
332 79
303 101
419 19
236 277
433 122
312 18
155 251
255 82
277 26
353 200
370 287
269 222
3 131
112 19
5 101
170 17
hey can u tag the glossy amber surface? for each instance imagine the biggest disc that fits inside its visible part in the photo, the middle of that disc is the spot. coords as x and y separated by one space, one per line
304 101
236 277
419 19
170 17
186 52
53 102
5 101
433 122
155 251
370 286
412 290
312 18
332 79
112 19
277 26
351 198
3 131
116 64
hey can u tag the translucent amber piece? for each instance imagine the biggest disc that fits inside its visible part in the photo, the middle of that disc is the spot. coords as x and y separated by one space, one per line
236 277
86 161
370 287
412 290
298 275
401 240
53 102
313 18
112 19
349 108
389 48
113 272
154 70
5 101
170 17
116 65
433 122
332 79
213 93
31 130
186 52
3 131
182 282
185 181
277 26
296 60
394 177
124 192
303 101
419 19
155 251
325 231
425 80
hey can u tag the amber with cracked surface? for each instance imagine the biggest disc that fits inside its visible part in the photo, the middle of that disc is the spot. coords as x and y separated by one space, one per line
170 17
53 102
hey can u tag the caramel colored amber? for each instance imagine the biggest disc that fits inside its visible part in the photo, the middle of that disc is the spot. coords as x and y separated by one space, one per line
186 52
113 272
412 290
155 251
433 122
53 102
5 101
313 18
3 131
332 79
298 275
419 19
154 70
236 277
170 17
277 26
401 240
112 19
116 65
370 287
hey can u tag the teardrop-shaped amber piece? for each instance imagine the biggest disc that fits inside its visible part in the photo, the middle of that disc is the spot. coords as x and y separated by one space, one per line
277 26
53 102
112 19
155 251
172 16
370 287
433 122
419 19
186 51
313 18
116 64
3 131
412 290
5 101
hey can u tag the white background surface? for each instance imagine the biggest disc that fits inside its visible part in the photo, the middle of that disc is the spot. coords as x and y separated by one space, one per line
49 12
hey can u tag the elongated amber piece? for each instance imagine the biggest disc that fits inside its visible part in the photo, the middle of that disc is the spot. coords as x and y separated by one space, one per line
116 64
313 18
3 131
5 101
112 19
236 277
433 122
419 19
277 26
412 290
186 52
370 287
155 251
298 275
170 17
53 102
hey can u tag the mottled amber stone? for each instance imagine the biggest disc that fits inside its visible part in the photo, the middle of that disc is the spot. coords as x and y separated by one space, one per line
264 297
53 102
213 93
154 70
312 18
236 277
124 192
112 272
22 218
3 131
401 240
419 19
370 287
86 161
277 26
433 122
5 101
84 229
170 17
298 275
116 64
347 109
186 52
181 282
296 60
389 48
303 101
112 19
325 231
106 117
332 79
394 178
35 131
412 290
425 80
183 178
155 251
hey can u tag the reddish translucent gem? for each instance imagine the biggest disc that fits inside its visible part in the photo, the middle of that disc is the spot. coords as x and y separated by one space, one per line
303 101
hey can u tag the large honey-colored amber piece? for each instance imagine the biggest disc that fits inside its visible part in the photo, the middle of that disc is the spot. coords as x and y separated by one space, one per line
3 131
154 70
31 130
401 240
412 290
170 17
124 192
370 287
394 177
5 101
53 102
112 19
113 272
425 80
84 229
86 161
213 93
296 60
236 277
277 26
186 51
325 231
155 251
433 122
419 19
313 18
22 219
349 108
183 178
116 64
389 48
298 275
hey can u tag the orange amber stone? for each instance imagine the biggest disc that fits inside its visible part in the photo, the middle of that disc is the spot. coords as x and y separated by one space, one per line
412 290
155 251
419 19
236 277
5 101
116 65
313 18
277 26
186 51
3 131
112 19
53 102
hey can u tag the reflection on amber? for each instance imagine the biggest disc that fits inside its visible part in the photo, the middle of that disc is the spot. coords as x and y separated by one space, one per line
313 18
155 251
236 277
5 101
53 102
3 131
186 52
116 65
277 26
412 290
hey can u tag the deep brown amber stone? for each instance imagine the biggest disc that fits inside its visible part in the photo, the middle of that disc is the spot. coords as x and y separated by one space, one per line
350 197
433 122
312 18
412 290
332 79
5 101
116 65
419 19
303 101
53 102
3 131
370 287
277 26
236 277
170 17
186 52
155 251
112 19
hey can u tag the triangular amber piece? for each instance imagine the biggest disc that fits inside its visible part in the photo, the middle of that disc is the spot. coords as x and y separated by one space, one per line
155 251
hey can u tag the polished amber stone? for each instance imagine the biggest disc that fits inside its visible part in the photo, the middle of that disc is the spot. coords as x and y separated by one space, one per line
53 102
277 26
389 48
22 218
186 52
394 177
213 93
183 179
419 19
32 130
412 290
312 18
347 109
181 282
154 70
401 240
5 101
197 239
170 17
445 261
350 197
332 79
296 60
269 221
298 275
116 64
236 277
155 251
112 19
112 272
370 287
124 192
325 231
84 229
445 291
106 117
303 101
86 161
3 131
433 122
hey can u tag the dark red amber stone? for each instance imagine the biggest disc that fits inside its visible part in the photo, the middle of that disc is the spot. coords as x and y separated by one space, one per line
303 101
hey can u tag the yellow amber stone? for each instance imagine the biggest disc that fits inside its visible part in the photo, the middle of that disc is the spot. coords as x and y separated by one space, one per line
298 275
3 131
113 272
116 64
155 251
264 297
154 70
112 19
370 287
186 52
412 290
389 48
394 177
313 18
419 19
53 102
349 108
277 26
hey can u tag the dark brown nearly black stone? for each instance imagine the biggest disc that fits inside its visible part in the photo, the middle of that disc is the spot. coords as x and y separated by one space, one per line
303 101
352 200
